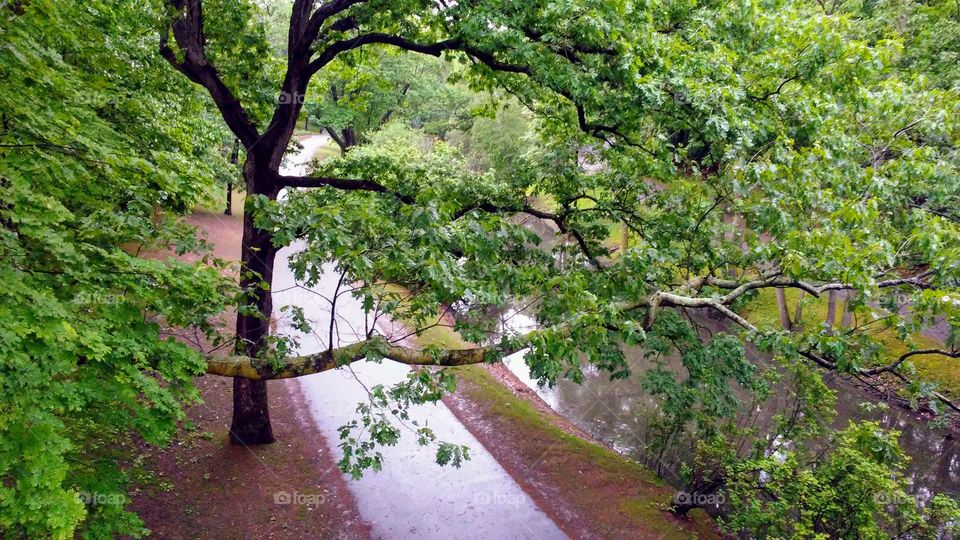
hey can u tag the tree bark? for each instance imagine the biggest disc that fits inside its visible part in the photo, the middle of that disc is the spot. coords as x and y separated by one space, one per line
251 414
783 310
831 308
798 311
349 138
234 156
345 138
846 320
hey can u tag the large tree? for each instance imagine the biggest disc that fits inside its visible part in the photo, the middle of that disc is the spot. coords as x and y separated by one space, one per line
789 117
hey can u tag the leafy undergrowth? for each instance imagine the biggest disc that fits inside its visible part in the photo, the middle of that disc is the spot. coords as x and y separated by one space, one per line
931 367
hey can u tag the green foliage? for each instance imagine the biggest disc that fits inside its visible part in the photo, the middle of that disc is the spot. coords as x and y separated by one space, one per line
362 91
500 143
99 143
814 142
387 407
851 488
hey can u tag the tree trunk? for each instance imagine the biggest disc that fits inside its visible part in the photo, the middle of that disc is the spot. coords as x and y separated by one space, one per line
783 310
846 320
234 156
624 237
729 236
831 308
798 311
251 415
345 138
349 138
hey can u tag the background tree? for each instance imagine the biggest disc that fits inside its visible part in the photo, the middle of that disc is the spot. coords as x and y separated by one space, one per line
362 91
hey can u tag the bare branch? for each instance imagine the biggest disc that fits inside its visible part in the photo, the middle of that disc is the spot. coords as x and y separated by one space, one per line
890 368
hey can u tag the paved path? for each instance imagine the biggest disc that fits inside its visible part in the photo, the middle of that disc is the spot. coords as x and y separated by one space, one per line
412 496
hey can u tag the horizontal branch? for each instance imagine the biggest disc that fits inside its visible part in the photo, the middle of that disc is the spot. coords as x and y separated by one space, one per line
298 366
738 288
432 49
350 184
890 368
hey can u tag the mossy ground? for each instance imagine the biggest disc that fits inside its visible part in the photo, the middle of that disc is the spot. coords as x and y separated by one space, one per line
615 495
610 495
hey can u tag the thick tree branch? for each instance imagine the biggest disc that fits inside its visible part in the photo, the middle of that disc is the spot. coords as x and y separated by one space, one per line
297 366
323 13
187 29
433 49
245 367
336 138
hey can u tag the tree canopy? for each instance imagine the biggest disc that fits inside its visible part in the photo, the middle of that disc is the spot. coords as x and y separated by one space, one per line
742 147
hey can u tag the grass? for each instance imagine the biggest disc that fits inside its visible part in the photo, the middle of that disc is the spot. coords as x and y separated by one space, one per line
434 336
505 404
313 129
944 371
326 152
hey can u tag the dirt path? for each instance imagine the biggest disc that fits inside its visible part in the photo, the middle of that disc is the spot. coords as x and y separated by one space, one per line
206 488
